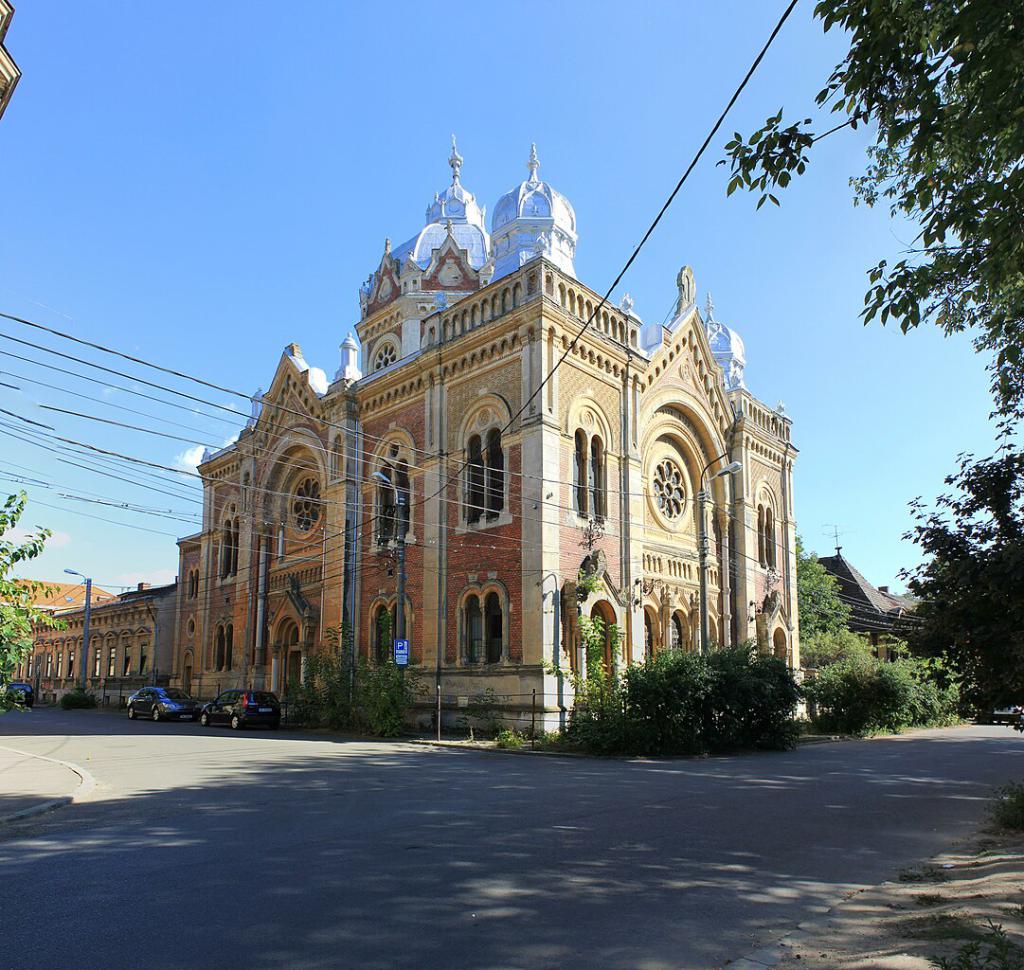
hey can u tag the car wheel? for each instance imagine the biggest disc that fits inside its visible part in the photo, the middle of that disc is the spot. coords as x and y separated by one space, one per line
156 714
274 725
131 713
204 719
236 723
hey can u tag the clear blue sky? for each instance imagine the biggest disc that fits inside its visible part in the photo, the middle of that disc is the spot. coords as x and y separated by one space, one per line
202 186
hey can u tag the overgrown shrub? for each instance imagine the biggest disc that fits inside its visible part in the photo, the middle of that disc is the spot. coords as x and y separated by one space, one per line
866 695
1008 808
510 739
77 699
684 703
369 697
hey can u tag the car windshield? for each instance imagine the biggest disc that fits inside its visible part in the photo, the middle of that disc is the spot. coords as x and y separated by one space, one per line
263 697
176 695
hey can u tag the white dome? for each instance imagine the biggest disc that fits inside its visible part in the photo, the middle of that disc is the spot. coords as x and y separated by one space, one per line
455 205
728 348
533 219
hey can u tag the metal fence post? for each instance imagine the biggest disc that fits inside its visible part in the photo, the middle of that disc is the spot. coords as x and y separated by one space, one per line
533 719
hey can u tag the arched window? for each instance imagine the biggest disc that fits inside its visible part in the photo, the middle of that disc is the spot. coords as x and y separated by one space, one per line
382 632
760 536
493 628
235 542
579 474
596 478
392 502
495 474
769 537
218 649
229 637
472 630
678 632
475 479
648 636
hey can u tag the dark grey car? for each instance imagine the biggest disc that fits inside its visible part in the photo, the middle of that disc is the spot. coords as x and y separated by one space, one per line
163 704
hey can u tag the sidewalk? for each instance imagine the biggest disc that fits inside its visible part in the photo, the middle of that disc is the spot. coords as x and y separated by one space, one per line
928 912
31 784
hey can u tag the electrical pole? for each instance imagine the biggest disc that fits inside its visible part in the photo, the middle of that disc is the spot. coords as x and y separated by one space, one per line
403 521
703 542
85 632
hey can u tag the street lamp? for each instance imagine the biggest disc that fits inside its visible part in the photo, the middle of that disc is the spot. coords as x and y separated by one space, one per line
400 504
85 624
705 633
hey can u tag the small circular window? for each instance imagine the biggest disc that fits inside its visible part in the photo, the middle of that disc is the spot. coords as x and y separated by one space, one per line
307 504
386 356
669 494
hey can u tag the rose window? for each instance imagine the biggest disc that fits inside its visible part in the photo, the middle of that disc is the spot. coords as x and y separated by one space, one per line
307 504
386 356
668 489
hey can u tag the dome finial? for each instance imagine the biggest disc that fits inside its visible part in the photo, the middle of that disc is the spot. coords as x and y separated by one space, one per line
709 309
455 160
534 163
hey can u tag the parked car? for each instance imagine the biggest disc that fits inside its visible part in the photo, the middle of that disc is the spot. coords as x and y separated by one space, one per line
1004 714
23 692
242 708
163 703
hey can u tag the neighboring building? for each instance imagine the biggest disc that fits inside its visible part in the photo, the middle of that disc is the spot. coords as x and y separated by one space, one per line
67 596
9 73
131 643
875 612
510 495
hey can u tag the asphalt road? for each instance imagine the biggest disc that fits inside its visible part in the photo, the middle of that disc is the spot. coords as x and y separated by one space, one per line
203 848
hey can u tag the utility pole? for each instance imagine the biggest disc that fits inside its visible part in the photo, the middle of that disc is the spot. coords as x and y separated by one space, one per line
403 513
85 625
704 542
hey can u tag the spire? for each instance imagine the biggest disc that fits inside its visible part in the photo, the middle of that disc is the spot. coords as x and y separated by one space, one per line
709 308
534 163
455 160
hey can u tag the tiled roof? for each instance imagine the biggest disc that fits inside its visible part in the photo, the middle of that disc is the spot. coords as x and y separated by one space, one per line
871 609
68 596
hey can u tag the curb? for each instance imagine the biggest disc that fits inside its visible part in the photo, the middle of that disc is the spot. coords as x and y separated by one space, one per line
85 788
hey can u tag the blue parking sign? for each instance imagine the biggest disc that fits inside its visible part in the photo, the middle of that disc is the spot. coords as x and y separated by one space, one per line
402 653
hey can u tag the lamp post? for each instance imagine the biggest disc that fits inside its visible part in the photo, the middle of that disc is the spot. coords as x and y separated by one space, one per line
85 624
705 633
401 504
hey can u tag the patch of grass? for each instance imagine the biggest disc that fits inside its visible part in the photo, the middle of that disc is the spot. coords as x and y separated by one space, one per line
930 899
994 950
924 874
945 926
1008 808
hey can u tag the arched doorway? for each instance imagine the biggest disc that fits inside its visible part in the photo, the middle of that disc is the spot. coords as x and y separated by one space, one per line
679 632
186 674
291 654
779 644
604 612
650 636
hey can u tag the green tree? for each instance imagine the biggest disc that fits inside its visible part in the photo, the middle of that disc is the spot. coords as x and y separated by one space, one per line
831 646
17 596
971 582
940 83
822 612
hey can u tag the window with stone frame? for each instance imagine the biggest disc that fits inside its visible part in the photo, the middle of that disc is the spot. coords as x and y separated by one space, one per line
306 505
385 356
484 486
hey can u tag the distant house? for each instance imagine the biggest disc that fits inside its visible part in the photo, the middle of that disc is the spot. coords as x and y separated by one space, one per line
875 612
68 596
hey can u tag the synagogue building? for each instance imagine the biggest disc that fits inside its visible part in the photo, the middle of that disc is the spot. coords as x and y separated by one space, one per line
516 434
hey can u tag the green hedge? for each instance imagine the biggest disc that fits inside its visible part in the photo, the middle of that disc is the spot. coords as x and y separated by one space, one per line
78 698
866 695
684 703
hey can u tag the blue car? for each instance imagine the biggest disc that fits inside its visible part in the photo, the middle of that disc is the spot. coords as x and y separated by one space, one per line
23 692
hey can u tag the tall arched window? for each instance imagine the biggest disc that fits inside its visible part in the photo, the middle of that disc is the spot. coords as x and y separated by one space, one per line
760 536
493 627
229 637
596 478
392 502
475 480
579 473
218 649
769 537
495 474
678 632
472 629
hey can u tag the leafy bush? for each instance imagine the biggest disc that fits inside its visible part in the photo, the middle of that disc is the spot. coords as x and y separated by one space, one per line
1008 809
76 699
684 703
370 697
510 739
831 646
865 695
